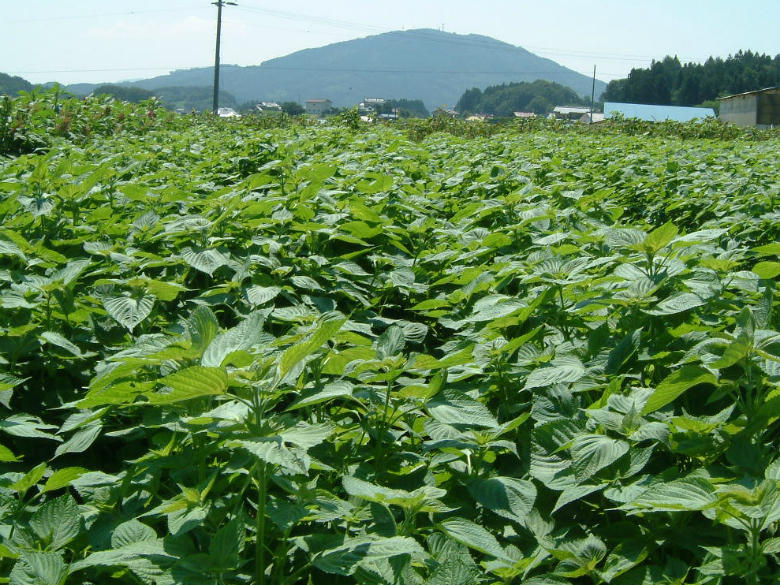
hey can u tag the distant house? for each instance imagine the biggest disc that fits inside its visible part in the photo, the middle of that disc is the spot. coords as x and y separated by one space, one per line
593 118
652 113
268 108
318 107
479 117
570 112
759 108
227 113
371 104
524 114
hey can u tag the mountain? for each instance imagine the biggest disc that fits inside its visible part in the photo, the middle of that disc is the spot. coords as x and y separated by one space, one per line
434 66
13 85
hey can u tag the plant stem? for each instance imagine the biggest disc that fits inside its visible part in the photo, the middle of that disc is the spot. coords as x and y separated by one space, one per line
260 533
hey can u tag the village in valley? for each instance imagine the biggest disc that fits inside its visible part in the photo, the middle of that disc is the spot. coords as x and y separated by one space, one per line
758 109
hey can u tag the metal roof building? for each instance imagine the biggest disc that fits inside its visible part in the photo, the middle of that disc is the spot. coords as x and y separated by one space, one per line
656 113
760 108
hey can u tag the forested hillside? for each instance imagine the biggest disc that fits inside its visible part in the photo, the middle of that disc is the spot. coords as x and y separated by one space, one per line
502 100
668 82
10 85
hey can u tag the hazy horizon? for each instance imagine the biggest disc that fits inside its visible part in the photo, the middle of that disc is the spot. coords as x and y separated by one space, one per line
88 42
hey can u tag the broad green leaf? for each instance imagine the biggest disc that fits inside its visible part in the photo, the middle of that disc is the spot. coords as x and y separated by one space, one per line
57 522
454 408
226 545
659 238
685 494
344 559
338 389
575 493
129 311
565 373
207 261
508 497
39 568
767 270
260 295
81 440
591 453
190 383
58 340
677 304
243 336
676 384
474 536
327 327
25 425
131 532
30 479
6 455
273 451
62 478
203 327
390 343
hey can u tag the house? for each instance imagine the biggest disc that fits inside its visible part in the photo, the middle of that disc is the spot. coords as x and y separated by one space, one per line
570 112
593 118
227 113
479 117
524 114
760 108
371 104
318 107
268 108
651 113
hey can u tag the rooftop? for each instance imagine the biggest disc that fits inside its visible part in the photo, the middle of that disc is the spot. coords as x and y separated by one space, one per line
755 91
653 113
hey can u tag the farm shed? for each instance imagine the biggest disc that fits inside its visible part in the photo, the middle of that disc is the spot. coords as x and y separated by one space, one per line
652 113
318 107
759 108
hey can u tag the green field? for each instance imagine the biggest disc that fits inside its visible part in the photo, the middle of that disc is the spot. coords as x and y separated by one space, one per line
388 355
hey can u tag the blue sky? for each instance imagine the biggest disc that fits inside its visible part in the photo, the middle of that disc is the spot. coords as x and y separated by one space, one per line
100 40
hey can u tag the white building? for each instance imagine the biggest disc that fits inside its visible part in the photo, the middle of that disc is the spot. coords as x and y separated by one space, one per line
318 107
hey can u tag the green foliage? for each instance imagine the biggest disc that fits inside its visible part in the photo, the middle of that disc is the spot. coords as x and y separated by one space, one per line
12 85
502 100
292 108
236 353
668 82
124 93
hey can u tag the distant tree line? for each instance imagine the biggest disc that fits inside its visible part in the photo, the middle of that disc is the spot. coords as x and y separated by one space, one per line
174 98
405 108
668 82
503 100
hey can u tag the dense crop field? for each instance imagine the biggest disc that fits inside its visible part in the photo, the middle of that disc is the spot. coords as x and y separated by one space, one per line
335 355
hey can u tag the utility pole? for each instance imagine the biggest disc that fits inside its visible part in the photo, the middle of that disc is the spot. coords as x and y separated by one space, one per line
592 94
219 4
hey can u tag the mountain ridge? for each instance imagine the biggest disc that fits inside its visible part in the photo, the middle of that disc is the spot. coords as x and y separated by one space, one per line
434 66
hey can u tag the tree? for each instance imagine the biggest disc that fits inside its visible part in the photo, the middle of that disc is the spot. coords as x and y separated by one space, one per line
667 82
539 105
124 93
292 108
469 101
502 100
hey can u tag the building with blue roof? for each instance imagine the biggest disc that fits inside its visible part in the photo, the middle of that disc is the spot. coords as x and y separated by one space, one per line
656 113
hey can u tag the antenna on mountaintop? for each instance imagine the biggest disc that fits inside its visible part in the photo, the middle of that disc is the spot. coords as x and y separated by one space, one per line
219 4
